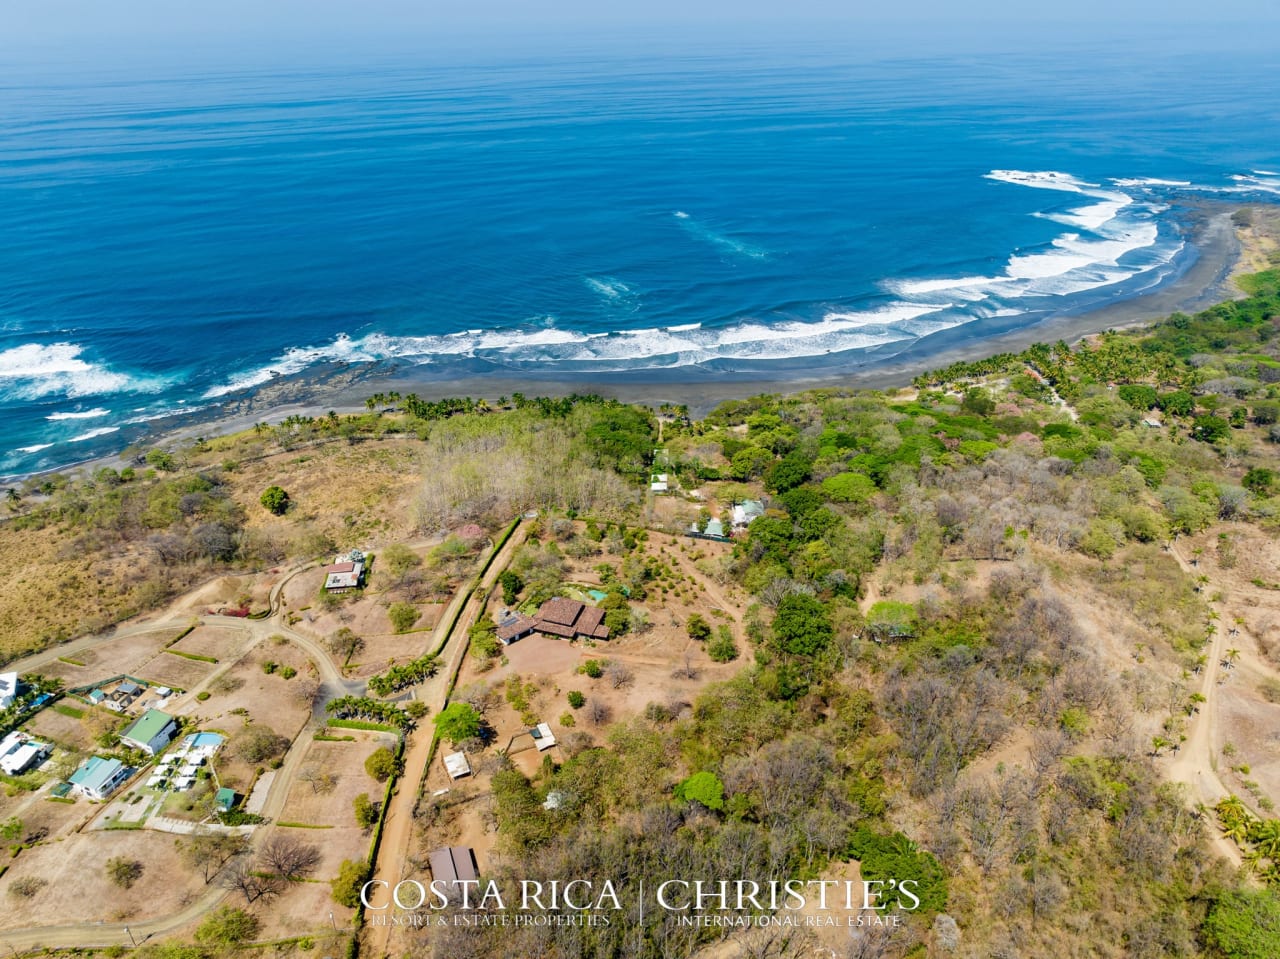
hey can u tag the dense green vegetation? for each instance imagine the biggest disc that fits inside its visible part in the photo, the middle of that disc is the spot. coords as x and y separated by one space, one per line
994 521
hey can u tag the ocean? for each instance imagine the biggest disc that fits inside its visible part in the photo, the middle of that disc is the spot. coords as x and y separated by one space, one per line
173 240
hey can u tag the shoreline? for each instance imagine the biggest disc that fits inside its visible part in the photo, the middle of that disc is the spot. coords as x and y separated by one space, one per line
1218 256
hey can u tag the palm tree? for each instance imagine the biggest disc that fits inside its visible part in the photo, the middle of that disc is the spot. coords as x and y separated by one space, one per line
1265 836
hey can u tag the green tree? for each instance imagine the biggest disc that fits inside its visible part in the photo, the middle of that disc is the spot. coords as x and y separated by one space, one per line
351 877
749 463
275 500
698 628
1209 428
723 649
458 721
382 764
511 584
227 927
802 626
365 811
1245 924
576 699
161 460
402 616
1259 480
1177 403
397 559
977 400
1139 396
703 787
788 473
848 488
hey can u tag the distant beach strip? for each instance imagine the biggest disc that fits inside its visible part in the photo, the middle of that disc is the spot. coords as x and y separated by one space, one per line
1121 259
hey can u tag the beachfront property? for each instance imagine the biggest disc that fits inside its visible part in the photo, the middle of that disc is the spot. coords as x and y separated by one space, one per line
8 689
150 732
19 753
97 777
345 573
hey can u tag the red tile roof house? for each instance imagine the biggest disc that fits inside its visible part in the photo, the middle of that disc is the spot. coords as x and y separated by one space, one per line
570 619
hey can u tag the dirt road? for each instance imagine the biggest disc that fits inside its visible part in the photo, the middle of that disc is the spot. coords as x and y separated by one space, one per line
393 853
1193 763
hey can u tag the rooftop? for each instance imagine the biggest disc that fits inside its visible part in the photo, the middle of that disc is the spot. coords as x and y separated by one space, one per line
95 772
147 726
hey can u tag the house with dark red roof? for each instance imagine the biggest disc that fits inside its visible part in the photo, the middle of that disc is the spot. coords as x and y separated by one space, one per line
569 619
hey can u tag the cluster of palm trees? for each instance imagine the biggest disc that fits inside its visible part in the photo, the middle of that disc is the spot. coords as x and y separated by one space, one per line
410 674
1259 838
368 709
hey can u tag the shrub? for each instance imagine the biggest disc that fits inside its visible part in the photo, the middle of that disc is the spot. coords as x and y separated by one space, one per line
122 871
381 764
402 616
698 628
351 877
275 500
723 649
576 699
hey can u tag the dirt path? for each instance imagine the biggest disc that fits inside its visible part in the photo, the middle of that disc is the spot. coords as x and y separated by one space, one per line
397 830
1193 763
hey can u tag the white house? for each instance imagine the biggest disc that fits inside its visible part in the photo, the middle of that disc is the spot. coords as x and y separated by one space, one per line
19 752
8 689
98 778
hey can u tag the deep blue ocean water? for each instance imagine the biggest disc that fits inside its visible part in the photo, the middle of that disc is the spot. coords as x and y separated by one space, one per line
169 240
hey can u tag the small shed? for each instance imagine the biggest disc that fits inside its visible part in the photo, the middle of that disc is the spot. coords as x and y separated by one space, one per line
543 737
224 799
457 766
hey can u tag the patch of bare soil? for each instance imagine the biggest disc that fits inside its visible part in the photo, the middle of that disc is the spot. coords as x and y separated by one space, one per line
76 883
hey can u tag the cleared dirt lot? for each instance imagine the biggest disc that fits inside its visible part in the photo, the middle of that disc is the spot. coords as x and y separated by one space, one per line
220 642
168 669
304 907
123 655
74 869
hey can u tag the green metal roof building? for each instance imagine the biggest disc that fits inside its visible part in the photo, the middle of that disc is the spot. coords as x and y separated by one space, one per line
150 732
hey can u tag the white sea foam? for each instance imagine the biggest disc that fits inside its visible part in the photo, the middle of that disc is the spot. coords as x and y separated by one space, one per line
611 288
35 370
626 349
720 240
100 431
34 449
148 416
1112 230
78 415
1147 181
1265 172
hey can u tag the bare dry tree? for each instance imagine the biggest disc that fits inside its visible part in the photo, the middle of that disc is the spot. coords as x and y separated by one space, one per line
289 857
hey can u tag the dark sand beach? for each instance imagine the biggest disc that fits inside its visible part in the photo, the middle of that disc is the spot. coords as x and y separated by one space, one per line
344 388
